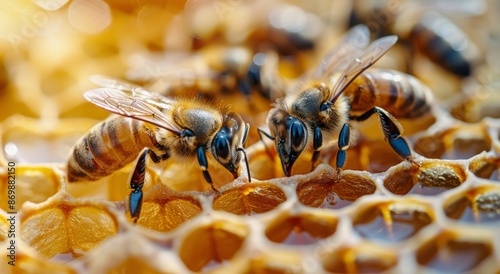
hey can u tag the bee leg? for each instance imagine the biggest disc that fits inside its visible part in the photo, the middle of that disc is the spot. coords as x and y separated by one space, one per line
241 149
202 160
136 184
392 131
343 143
156 159
317 143
261 131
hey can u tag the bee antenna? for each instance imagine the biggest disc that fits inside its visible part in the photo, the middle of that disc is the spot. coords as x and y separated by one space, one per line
246 162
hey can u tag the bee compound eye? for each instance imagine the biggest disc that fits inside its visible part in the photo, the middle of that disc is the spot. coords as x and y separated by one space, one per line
297 135
221 148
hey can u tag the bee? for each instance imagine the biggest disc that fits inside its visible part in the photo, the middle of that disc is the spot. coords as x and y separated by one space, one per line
181 129
425 30
213 72
319 108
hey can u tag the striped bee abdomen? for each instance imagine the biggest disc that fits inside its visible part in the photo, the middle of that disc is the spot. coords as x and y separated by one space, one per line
401 94
109 146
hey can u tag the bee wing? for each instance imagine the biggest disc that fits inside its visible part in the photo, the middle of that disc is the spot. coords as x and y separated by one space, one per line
356 39
135 91
115 83
140 108
360 63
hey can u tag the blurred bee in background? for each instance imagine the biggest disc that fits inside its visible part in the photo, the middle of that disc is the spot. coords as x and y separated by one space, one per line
424 30
250 53
182 129
320 107
215 72
243 51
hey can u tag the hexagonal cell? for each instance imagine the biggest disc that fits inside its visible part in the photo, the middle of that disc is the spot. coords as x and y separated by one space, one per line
276 262
164 210
360 259
133 251
27 140
250 199
322 187
63 225
479 205
259 160
482 103
401 179
211 244
437 177
451 252
33 183
301 229
431 178
461 141
392 221
485 167
468 145
28 262
430 146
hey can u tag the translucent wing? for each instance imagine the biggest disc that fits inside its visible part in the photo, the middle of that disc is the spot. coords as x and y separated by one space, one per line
356 39
133 90
119 102
360 63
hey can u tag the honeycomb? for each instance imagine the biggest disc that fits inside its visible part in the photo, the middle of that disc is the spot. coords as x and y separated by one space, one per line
379 215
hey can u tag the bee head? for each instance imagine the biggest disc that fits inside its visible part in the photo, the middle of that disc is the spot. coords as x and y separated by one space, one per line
228 142
290 136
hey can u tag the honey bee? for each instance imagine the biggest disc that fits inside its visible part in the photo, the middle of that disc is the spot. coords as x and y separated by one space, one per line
181 128
322 105
425 30
216 71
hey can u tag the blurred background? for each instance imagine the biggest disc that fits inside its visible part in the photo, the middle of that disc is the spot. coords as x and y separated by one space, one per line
50 48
